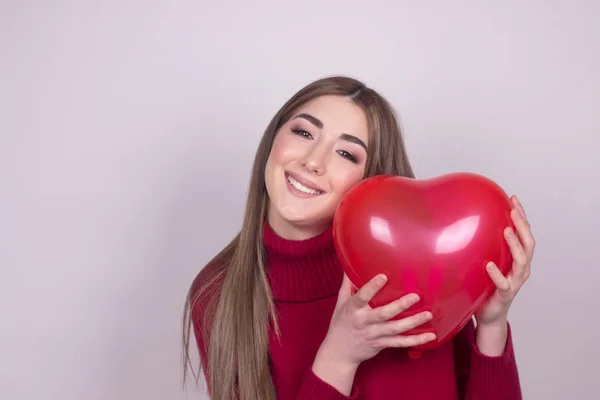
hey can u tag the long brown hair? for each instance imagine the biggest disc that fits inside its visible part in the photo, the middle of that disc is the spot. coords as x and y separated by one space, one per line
239 314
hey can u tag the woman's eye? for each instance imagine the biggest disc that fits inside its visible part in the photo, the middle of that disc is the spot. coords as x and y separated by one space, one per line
347 155
302 132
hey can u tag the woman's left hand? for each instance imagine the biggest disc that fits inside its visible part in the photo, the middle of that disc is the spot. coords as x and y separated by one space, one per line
495 311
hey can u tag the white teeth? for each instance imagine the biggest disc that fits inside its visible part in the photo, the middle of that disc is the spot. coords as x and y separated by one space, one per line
301 187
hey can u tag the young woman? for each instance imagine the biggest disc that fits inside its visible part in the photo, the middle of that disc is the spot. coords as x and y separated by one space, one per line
274 315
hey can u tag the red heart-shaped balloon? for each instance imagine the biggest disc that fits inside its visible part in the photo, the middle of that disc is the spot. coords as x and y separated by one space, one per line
432 237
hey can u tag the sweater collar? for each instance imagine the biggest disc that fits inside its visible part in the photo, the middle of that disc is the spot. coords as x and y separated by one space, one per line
302 270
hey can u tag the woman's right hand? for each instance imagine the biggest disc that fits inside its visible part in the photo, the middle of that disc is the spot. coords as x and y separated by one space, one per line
358 332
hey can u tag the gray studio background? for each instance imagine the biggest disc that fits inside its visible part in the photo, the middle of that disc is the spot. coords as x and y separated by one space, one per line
127 131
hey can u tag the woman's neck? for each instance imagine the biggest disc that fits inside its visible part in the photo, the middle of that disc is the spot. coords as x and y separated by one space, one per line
302 270
291 230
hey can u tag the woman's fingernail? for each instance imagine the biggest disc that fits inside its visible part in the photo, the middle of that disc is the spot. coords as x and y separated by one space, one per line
381 279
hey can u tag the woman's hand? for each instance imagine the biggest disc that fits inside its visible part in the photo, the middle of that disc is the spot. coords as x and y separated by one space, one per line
358 332
493 316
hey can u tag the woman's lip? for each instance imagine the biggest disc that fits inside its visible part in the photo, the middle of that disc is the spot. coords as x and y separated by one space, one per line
305 182
300 193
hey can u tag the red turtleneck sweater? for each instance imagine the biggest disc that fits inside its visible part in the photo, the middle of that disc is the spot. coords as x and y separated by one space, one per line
305 278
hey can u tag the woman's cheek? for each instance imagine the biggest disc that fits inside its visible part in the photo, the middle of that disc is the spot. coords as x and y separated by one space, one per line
345 180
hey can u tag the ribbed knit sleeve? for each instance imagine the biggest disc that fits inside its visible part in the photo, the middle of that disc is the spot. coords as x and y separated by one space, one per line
314 388
482 377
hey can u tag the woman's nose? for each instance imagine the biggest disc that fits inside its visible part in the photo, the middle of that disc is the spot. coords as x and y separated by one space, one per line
315 161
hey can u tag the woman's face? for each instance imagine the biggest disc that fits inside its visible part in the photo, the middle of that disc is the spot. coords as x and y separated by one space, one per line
317 156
